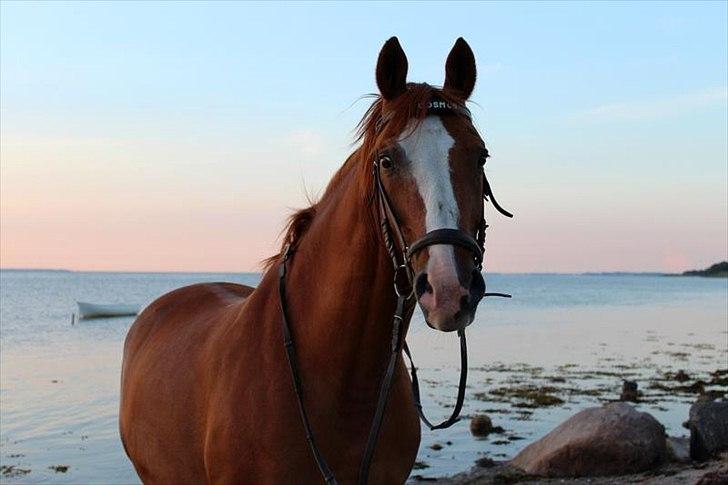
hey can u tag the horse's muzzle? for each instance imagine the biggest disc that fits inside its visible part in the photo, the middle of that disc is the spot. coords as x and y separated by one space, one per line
446 304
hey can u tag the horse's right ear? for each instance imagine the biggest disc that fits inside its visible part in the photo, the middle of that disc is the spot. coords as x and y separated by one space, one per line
460 69
392 70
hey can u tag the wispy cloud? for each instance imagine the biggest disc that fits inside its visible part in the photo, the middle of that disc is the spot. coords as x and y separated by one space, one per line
655 108
489 69
309 143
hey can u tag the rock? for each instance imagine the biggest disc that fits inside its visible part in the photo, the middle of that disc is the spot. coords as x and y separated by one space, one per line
712 395
436 446
629 391
698 387
509 475
717 477
678 449
481 425
682 376
611 440
485 462
713 472
719 378
708 429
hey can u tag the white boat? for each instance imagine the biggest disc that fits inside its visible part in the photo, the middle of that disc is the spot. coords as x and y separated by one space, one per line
94 310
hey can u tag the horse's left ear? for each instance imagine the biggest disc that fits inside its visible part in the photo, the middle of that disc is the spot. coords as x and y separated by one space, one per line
460 69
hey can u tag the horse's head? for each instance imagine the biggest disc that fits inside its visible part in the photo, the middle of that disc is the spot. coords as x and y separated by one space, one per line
429 161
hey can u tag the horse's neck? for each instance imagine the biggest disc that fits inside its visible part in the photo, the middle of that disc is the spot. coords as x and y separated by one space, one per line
339 288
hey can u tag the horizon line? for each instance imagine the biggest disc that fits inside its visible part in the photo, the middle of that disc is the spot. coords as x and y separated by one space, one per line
590 272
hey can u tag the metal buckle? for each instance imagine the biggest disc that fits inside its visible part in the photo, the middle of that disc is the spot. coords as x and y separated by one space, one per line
399 272
287 251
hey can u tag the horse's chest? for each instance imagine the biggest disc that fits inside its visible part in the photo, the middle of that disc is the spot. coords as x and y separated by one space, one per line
264 438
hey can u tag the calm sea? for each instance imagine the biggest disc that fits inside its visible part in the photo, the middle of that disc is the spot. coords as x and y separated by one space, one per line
59 383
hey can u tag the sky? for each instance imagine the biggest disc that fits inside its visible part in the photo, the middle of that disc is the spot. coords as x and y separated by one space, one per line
178 136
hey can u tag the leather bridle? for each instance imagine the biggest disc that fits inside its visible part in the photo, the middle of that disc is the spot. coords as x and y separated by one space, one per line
401 255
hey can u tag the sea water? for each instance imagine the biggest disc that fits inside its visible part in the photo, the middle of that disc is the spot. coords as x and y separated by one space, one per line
575 336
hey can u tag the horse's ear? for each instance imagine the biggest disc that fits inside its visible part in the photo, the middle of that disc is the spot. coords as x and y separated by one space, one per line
392 70
460 69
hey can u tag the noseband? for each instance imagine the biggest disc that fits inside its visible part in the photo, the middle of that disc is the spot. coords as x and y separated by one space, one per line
401 255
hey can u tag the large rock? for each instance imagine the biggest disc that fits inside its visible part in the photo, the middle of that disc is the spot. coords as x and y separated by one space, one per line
611 440
708 425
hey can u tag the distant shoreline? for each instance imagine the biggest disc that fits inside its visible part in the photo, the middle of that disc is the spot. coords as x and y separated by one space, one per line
718 270
36 270
708 272
536 273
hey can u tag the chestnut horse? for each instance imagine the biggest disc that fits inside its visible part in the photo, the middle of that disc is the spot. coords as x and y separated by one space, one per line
206 388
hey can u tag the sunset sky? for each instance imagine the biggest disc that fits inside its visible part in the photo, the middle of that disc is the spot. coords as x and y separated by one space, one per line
178 136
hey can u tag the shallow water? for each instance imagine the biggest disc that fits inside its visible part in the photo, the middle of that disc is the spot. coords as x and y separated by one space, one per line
578 334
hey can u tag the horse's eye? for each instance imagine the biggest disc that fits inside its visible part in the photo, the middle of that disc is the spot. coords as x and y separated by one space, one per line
385 162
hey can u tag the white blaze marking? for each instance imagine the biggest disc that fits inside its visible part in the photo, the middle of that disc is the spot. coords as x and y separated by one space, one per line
428 149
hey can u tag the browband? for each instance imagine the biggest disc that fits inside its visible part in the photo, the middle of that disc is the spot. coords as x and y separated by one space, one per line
438 107
434 107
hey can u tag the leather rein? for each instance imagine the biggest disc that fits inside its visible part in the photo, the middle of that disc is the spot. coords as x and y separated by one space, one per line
401 255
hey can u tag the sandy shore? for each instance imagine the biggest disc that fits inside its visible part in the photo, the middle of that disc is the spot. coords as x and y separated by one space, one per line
670 474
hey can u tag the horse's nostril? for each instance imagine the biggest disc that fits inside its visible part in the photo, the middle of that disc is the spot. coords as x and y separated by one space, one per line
422 285
464 302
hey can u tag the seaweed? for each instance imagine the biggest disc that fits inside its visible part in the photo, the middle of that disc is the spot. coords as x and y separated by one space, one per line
12 471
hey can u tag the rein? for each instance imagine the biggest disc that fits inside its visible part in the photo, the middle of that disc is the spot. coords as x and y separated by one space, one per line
401 255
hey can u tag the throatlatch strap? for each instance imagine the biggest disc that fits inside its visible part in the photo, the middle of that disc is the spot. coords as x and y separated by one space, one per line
384 390
293 364
454 417
396 348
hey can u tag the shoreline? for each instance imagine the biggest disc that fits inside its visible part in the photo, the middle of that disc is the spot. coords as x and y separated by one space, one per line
668 474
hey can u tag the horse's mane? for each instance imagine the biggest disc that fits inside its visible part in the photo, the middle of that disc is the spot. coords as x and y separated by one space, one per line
383 121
